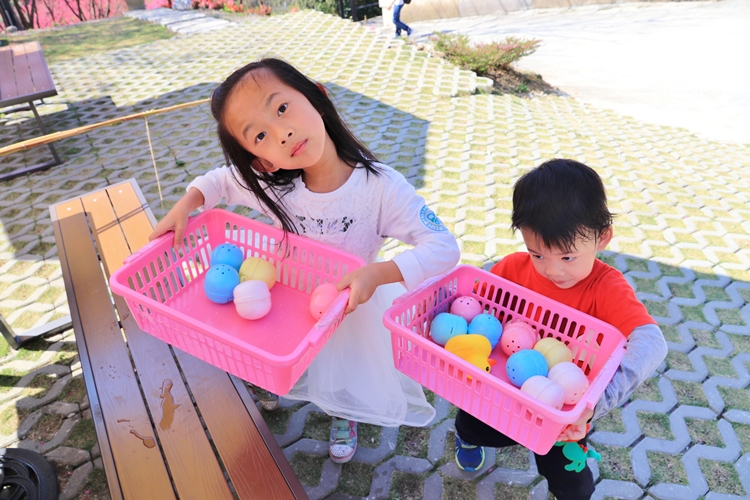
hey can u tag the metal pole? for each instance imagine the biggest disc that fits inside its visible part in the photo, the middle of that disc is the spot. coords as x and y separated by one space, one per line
9 15
354 10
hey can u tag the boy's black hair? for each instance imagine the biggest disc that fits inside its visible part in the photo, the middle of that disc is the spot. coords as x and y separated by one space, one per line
247 165
561 200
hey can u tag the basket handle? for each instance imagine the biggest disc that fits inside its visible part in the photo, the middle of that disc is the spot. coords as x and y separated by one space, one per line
330 316
148 246
424 285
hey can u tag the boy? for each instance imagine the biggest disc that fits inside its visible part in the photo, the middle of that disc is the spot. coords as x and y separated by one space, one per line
561 210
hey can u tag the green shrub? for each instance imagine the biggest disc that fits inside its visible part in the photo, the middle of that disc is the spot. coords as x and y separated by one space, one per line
483 58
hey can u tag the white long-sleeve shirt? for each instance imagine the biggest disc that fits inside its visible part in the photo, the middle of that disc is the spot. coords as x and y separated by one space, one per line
357 217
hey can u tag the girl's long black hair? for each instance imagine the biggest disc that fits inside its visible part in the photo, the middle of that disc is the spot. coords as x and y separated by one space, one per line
348 147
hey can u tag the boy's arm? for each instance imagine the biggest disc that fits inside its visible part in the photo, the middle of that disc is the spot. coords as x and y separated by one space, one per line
644 352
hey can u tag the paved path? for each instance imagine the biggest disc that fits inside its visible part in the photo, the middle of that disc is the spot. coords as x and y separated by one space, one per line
682 239
672 63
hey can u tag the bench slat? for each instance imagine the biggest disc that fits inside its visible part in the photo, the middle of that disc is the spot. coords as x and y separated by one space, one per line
40 75
237 428
24 83
192 463
140 465
7 75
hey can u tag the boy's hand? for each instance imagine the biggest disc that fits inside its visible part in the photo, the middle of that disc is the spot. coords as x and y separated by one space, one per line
578 429
177 218
366 279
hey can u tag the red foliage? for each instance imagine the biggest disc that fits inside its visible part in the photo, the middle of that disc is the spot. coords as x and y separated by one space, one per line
48 13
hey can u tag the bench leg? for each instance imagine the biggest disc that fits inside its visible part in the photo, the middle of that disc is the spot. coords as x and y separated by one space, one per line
51 328
41 166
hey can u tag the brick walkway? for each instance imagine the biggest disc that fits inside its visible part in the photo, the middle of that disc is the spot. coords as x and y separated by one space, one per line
681 239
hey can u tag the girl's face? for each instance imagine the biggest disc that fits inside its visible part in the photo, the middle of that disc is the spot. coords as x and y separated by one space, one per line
565 269
276 123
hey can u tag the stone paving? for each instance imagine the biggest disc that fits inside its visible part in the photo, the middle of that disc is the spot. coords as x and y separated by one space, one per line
682 236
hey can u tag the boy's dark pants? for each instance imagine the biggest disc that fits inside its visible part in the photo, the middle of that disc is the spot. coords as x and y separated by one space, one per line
564 484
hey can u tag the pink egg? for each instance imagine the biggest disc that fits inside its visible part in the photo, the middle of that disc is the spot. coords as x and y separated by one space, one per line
252 299
517 335
571 379
466 307
545 390
322 298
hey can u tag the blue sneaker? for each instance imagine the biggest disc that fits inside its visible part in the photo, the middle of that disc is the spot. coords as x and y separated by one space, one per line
468 457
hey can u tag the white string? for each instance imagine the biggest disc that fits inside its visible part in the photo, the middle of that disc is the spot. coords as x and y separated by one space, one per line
156 172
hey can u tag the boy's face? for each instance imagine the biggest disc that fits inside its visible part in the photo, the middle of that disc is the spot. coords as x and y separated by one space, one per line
562 268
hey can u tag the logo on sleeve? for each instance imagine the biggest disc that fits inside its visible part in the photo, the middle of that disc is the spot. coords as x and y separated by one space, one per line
430 220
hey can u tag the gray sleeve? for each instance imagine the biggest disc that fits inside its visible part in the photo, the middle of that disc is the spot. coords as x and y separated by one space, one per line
644 352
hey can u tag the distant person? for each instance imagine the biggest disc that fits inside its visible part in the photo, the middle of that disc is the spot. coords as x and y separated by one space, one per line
397 5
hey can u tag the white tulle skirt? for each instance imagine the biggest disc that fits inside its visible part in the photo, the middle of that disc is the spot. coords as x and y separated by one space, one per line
353 376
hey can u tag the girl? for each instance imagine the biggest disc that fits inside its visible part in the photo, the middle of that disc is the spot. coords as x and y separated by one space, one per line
293 158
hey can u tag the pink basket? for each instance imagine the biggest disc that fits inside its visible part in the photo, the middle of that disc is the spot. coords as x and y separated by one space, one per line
164 290
490 397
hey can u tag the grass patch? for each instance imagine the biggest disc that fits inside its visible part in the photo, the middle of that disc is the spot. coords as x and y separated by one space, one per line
83 39
721 478
368 435
356 479
458 488
82 436
317 426
648 390
655 425
666 468
66 354
405 486
690 393
413 441
46 427
308 468
9 379
511 492
611 422
11 418
74 392
39 385
278 420
615 463
735 399
743 436
95 487
704 432
512 457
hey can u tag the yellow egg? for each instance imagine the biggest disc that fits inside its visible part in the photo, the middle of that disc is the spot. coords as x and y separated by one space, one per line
255 268
553 351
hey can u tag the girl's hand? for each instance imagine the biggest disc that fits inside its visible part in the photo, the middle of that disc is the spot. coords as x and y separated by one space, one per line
177 218
366 279
578 429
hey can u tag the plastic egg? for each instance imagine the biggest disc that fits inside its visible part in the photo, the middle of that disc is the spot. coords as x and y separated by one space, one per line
545 390
322 298
487 325
466 307
571 379
445 326
252 299
255 268
220 282
553 351
228 254
517 335
525 364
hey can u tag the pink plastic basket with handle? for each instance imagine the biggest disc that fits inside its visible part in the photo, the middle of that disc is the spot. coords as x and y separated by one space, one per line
164 291
597 347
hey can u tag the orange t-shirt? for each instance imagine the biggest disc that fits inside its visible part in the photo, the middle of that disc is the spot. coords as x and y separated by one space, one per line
603 294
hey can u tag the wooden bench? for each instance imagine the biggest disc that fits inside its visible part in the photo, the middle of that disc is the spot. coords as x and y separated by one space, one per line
25 78
168 424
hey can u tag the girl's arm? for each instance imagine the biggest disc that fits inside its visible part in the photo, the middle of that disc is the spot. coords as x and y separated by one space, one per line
206 191
404 215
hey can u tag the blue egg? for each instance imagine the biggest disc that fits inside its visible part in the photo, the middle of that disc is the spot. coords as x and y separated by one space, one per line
445 326
228 254
525 364
487 325
220 282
